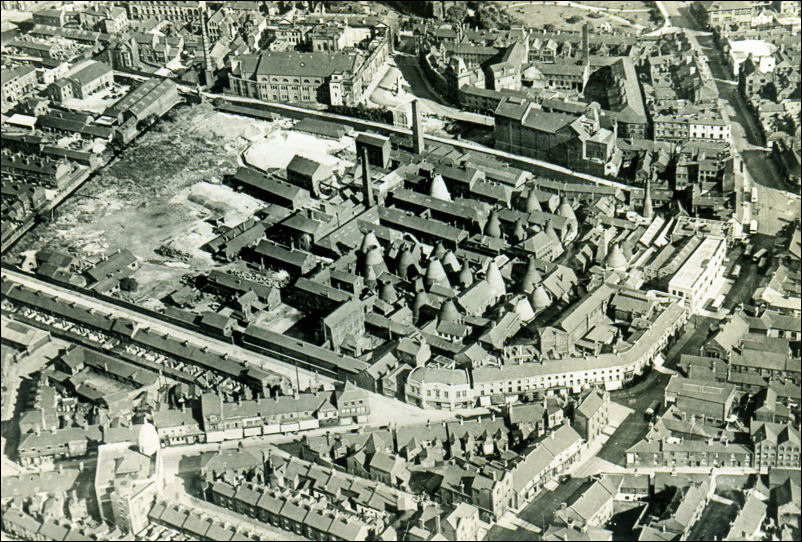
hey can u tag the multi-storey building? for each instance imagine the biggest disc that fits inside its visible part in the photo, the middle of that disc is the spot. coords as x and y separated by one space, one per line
709 400
336 78
439 388
560 338
181 12
544 462
91 78
679 128
222 420
125 486
587 142
608 369
43 170
701 272
17 82
590 415
594 507
688 453
722 15
489 488
775 445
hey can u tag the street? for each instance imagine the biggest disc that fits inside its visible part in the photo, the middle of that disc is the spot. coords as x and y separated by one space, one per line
728 91
384 410
541 510
640 396
745 121
716 519
635 426
744 286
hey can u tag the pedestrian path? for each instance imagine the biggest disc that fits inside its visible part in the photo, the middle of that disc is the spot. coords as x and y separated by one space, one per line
377 79
588 463
659 362
513 522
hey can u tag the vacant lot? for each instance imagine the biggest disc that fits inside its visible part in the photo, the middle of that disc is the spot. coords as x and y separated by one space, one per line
572 15
162 191
634 5
277 150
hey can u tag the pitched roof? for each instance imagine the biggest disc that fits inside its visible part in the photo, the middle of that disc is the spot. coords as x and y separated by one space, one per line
296 64
590 404
526 413
536 460
90 72
304 166
749 519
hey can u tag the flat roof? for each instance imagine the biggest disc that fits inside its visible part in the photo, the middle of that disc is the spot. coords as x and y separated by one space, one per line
691 271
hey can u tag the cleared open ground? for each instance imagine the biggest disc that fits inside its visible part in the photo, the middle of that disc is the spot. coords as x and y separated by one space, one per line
565 16
165 190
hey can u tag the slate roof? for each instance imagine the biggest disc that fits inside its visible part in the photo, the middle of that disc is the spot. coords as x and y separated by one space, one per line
590 404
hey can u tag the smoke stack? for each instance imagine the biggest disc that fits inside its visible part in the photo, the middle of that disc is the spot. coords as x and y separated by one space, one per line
208 72
648 211
585 45
367 189
417 132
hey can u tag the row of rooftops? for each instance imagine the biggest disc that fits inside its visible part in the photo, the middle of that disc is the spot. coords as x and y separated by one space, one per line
143 336
194 523
51 442
284 470
309 404
16 520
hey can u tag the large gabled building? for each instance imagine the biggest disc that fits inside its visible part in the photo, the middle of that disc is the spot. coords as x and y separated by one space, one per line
586 143
297 77
335 78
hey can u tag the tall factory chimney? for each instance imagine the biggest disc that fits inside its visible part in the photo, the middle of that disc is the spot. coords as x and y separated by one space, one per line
585 44
208 69
585 56
417 131
648 211
367 188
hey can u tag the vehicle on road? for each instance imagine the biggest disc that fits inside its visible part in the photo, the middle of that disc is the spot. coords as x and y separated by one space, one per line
759 254
652 410
748 251
736 272
715 306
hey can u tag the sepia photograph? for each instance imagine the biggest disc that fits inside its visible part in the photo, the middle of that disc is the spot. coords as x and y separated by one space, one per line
401 270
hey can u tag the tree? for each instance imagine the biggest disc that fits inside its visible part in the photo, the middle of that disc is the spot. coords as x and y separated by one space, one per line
457 13
128 284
